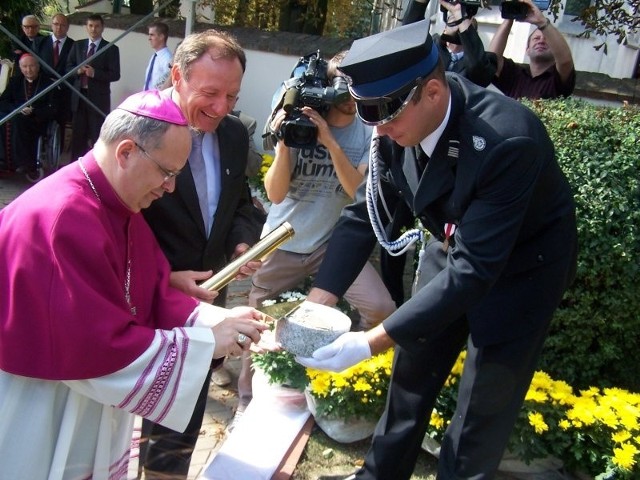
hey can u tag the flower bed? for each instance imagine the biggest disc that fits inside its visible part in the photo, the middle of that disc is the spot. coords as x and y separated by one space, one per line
595 431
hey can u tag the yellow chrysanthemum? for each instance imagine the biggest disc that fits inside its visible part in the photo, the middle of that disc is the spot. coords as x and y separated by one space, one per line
362 386
536 420
564 424
621 437
436 421
624 457
320 385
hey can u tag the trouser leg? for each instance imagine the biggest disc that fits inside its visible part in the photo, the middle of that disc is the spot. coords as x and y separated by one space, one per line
370 297
491 393
415 383
25 132
79 132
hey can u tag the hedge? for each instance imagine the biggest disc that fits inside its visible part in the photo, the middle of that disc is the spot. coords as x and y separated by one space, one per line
595 333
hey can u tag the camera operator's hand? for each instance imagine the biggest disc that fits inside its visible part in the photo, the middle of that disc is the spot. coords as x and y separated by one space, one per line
534 15
325 137
455 21
277 120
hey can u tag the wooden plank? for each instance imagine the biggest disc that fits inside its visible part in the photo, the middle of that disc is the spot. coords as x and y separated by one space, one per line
291 458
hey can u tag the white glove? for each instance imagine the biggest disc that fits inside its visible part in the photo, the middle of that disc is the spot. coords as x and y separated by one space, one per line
345 351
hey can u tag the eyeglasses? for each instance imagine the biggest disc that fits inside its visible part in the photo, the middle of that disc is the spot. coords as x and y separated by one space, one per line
381 110
30 26
168 174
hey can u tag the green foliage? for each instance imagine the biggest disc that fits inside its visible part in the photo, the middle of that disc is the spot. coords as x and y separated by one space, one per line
335 18
595 333
281 368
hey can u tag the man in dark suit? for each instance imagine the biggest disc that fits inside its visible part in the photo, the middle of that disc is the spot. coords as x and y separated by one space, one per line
54 51
479 171
30 36
94 82
209 218
24 129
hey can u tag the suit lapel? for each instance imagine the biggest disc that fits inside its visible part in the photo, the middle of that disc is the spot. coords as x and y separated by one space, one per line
440 175
438 178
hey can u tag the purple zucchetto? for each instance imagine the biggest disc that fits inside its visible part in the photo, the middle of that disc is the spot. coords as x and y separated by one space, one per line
154 104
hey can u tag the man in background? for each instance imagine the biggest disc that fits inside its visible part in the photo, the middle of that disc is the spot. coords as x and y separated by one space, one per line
159 66
209 218
19 136
550 73
308 188
54 51
30 36
93 80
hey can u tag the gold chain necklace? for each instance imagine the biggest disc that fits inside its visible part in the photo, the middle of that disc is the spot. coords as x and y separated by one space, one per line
127 279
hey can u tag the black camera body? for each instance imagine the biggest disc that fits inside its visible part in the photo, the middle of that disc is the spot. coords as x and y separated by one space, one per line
515 10
468 7
308 87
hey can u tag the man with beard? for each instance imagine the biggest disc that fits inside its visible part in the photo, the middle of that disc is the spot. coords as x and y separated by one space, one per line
308 188
550 73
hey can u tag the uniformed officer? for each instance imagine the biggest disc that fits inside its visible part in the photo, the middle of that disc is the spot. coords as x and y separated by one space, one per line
479 171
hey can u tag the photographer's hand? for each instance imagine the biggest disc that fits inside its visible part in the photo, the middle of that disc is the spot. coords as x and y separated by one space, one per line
455 22
534 15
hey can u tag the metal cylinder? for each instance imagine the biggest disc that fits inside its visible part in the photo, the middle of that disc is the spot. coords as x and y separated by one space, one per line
259 251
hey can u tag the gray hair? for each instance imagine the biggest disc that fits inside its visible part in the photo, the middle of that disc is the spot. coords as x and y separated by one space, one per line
31 17
219 44
122 125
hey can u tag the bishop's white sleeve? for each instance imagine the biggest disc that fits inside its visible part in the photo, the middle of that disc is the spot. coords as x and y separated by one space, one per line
163 383
206 315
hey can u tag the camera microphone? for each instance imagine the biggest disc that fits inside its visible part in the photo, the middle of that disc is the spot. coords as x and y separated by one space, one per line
290 99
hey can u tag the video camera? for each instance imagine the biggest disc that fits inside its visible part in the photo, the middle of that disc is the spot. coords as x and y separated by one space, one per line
516 10
308 87
468 8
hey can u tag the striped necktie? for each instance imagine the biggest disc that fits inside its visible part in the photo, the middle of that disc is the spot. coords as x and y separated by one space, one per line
92 50
56 53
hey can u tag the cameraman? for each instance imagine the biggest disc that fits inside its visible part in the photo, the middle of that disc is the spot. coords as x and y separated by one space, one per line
550 73
308 188
459 45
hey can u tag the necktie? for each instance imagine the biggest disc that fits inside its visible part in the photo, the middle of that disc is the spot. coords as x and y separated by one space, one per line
92 50
147 82
455 58
199 173
421 160
56 52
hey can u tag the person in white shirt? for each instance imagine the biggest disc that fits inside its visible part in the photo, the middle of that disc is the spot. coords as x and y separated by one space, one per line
159 65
